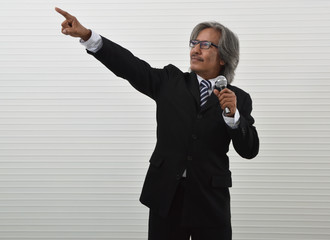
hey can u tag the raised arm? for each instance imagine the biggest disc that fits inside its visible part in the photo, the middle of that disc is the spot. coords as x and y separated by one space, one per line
118 59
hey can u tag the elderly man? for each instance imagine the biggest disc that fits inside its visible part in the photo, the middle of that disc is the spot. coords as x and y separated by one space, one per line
186 186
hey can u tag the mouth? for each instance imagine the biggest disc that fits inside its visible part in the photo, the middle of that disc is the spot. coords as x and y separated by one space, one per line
194 57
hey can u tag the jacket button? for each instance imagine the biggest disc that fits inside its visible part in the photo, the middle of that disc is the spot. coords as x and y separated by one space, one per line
194 136
189 158
199 116
243 131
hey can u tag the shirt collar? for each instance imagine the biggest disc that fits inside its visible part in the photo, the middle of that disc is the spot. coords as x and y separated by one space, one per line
212 81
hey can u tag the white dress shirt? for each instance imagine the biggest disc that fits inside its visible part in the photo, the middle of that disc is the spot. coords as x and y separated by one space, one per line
94 43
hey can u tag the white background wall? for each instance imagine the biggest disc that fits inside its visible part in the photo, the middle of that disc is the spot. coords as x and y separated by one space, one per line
75 140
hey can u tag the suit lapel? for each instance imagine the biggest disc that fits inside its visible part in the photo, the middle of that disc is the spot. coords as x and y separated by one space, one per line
193 87
212 101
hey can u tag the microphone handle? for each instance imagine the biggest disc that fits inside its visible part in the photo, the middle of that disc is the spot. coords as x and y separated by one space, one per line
226 110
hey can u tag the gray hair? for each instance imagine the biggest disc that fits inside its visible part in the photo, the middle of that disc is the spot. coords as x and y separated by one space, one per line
228 47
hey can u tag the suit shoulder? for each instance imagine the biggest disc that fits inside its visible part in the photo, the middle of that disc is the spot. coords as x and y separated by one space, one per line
173 69
238 91
174 72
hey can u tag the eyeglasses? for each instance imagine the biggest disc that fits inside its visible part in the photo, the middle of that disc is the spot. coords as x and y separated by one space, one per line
202 44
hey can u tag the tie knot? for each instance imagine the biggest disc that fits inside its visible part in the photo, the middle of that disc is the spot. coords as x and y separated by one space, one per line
205 84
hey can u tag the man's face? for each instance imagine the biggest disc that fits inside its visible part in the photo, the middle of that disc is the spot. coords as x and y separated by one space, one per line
206 62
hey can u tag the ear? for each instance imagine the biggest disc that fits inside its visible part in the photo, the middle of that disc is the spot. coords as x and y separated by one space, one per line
222 63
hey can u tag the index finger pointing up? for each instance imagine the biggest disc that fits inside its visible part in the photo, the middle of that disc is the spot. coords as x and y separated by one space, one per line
64 13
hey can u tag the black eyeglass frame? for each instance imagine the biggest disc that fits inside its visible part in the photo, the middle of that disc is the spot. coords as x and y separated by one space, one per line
194 43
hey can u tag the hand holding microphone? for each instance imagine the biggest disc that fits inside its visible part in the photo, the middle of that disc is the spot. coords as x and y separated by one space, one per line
227 98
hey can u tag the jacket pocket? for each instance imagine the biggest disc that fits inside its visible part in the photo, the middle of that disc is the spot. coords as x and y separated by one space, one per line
223 180
156 160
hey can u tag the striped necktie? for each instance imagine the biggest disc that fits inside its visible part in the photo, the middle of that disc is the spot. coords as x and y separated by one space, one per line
204 87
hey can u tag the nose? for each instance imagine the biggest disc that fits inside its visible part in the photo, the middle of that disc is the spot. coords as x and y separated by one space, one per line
196 49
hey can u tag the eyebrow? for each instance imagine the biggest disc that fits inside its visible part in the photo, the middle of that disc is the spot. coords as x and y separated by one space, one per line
205 41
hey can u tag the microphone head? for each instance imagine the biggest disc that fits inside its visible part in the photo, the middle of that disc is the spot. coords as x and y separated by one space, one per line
221 82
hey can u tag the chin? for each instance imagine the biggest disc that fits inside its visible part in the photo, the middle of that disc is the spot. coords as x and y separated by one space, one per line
193 68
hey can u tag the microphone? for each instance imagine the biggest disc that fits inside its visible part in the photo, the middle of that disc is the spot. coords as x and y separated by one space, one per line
220 84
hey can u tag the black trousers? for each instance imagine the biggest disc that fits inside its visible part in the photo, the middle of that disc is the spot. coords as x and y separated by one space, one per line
172 228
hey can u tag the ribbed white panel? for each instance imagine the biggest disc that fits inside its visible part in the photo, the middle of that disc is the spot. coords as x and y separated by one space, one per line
75 140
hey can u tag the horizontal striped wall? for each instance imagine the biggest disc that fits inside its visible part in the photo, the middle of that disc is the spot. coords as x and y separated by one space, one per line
75 140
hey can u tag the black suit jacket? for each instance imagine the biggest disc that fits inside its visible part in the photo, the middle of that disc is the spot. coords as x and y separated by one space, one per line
187 138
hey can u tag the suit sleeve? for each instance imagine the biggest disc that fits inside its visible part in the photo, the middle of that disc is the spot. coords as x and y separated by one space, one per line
124 64
245 138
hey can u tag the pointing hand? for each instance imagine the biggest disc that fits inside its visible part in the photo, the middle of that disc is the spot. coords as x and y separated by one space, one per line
72 27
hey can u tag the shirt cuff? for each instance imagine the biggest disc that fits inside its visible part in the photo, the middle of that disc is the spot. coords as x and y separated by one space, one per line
232 122
94 43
